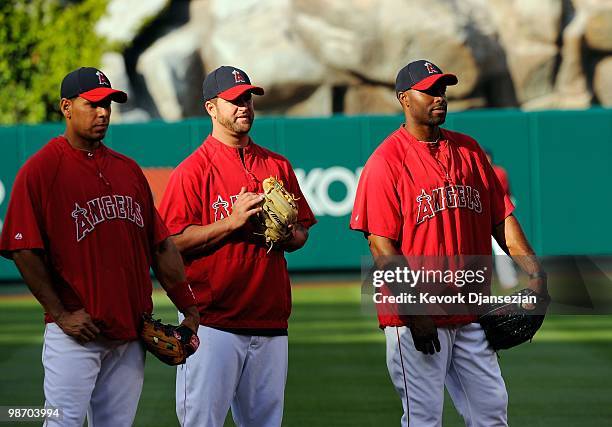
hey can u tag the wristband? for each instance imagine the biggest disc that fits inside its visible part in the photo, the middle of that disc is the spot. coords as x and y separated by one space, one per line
538 275
182 296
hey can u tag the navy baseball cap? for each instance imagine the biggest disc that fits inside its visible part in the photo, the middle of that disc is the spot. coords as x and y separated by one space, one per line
421 75
91 84
228 83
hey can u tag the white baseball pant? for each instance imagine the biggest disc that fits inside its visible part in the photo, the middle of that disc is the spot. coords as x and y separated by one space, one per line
245 372
466 365
101 379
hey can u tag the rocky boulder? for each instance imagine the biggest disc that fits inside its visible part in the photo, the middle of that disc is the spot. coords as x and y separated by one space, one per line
257 36
125 18
173 71
319 57
602 81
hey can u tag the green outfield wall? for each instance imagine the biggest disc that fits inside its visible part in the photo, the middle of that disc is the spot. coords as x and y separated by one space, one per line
559 164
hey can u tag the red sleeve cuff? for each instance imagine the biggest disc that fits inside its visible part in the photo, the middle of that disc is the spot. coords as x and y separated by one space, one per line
377 231
182 296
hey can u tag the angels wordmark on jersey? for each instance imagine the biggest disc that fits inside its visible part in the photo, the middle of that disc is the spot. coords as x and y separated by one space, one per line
105 208
449 197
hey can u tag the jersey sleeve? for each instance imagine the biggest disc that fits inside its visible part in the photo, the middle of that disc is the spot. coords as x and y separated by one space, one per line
159 231
181 204
156 229
501 205
502 175
377 208
305 215
24 221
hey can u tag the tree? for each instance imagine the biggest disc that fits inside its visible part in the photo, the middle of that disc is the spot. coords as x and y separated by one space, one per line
40 42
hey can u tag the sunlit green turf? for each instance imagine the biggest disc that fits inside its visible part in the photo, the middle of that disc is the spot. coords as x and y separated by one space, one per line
337 373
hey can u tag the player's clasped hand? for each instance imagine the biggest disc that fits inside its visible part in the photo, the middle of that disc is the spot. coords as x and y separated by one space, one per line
247 205
79 325
297 238
192 319
424 334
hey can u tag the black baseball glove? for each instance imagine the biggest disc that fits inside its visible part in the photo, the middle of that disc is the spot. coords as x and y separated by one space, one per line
508 325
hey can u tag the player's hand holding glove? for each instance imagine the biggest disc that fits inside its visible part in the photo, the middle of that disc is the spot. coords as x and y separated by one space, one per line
170 344
508 325
279 211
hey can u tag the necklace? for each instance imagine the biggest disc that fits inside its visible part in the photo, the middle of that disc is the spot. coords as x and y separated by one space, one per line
445 169
436 152
433 142
78 148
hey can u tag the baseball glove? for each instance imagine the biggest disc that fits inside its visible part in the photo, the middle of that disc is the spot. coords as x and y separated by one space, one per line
508 325
279 210
170 344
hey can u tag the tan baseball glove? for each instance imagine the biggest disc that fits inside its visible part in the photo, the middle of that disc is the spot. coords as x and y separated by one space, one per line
170 344
279 210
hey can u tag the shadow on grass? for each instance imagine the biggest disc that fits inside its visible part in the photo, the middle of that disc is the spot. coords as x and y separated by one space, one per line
342 380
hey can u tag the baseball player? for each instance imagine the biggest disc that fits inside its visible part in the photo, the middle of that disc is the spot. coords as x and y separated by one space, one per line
242 291
83 231
504 266
399 210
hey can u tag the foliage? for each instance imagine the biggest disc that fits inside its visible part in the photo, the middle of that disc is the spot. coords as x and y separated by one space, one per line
40 42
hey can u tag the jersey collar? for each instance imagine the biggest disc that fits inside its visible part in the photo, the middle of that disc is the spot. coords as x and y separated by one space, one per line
99 152
214 142
442 142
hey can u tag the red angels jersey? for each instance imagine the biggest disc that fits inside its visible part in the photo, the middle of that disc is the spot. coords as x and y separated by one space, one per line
432 199
238 285
93 215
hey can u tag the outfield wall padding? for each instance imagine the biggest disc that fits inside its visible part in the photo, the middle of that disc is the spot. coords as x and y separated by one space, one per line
558 163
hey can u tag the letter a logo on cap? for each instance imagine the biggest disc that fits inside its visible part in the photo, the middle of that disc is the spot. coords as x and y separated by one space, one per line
238 77
102 78
430 68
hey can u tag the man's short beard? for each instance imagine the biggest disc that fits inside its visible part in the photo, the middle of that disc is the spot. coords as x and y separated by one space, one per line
436 121
233 126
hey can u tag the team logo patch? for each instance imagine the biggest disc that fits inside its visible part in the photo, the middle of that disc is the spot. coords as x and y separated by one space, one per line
102 78
221 208
18 236
238 78
430 68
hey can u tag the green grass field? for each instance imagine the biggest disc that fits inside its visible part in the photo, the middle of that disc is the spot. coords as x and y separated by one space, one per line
337 373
